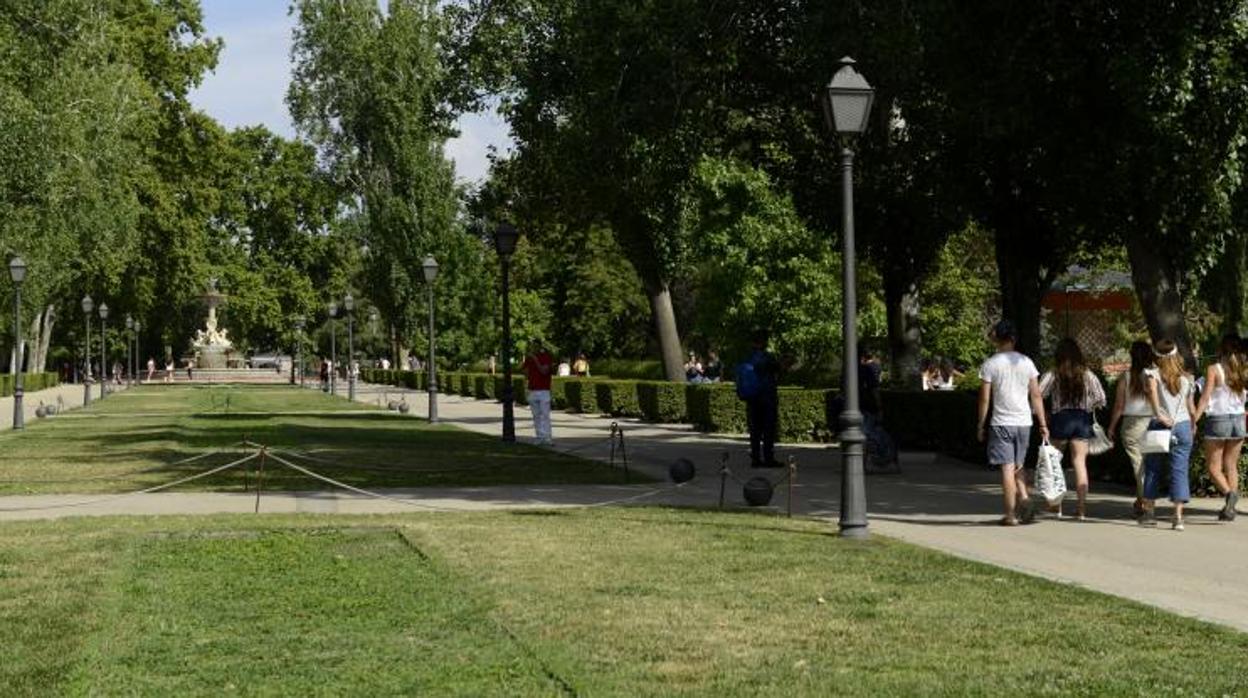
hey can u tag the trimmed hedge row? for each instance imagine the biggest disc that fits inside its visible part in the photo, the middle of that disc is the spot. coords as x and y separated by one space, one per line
30 382
711 407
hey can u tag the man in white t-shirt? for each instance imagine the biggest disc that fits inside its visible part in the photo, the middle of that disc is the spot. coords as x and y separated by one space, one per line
1010 387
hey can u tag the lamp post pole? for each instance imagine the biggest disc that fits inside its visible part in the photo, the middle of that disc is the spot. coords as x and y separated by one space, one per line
348 303
17 271
505 238
847 108
129 363
333 349
103 350
138 328
430 268
299 347
87 306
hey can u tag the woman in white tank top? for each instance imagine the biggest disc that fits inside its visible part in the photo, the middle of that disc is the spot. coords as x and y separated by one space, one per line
1222 404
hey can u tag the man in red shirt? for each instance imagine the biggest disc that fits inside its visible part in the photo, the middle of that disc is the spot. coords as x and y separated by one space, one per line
538 367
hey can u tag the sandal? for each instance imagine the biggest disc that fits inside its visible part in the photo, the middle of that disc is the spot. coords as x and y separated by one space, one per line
1008 521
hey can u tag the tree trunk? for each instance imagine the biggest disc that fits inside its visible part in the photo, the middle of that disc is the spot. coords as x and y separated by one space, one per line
1157 286
1024 280
45 338
905 340
665 324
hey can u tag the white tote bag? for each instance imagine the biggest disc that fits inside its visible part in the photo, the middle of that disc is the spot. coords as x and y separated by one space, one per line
1156 441
1050 480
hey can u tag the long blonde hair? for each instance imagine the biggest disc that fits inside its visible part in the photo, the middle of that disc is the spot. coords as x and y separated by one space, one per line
1233 364
1169 365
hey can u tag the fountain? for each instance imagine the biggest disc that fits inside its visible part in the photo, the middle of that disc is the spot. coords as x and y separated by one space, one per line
212 345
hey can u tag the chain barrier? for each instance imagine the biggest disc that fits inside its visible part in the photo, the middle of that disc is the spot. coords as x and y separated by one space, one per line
146 490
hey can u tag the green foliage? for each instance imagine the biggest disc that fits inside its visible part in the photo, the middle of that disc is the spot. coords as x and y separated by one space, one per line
618 398
715 407
581 395
760 266
662 401
959 300
637 369
30 383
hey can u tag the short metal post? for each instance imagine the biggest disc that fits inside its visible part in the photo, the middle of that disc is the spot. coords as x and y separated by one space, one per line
723 478
260 477
792 482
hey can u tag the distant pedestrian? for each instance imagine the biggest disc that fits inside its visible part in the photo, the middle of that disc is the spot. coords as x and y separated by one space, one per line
870 378
538 368
565 369
324 375
1170 395
713 370
116 373
190 369
151 369
169 368
385 364
1010 387
1074 394
757 380
1222 403
1132 409
493 364
580 367
694 372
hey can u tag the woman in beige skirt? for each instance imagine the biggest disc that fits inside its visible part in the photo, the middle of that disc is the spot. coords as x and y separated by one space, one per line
1132 409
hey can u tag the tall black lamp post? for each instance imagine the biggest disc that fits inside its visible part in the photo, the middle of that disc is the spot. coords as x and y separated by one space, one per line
348 304
17 271
333 349
430 267
505 238
129 356
88 306
299 347
138 328
103 350
847 109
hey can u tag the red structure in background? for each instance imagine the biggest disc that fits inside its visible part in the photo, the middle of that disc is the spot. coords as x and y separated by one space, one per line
1089 306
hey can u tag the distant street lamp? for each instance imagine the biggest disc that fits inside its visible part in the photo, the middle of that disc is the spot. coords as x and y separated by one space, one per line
17 271
505 238
129 361
103 350
138 328
430 267
333 349
88 305
846 109
348 303
299 321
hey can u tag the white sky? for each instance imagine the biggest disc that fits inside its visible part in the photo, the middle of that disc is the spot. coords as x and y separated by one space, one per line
249 84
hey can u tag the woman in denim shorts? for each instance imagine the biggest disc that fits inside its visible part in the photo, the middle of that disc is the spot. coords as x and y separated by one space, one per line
1222 404
1073 393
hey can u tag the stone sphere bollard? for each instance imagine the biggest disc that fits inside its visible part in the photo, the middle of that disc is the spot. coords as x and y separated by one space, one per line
682 470
758 491
41 411
403 408
393 405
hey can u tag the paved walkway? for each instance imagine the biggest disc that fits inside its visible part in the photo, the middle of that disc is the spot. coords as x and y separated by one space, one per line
936 502
66 395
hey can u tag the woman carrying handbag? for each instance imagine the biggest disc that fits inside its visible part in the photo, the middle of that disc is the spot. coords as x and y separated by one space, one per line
1168 440
1073 393
1133 412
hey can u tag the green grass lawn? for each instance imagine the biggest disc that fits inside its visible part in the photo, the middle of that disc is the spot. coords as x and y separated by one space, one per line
135 439
621 602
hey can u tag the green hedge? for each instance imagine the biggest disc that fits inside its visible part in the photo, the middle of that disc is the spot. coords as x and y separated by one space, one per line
581 395
715 407
661 402
30 382
617 398
806 415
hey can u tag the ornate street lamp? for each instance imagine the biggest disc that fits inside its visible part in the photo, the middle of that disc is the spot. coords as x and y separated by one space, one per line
299 321
348 304
430 268
846 110
333 349
17 272
88 305
505 238
103 350
129 356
